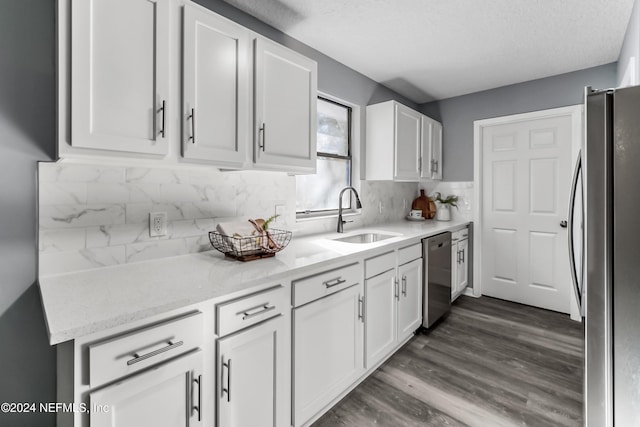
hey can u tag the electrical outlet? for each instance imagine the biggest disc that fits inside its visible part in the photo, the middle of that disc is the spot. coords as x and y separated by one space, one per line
279 210
157 224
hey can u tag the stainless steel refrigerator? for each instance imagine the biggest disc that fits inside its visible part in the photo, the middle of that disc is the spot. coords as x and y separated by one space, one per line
607 272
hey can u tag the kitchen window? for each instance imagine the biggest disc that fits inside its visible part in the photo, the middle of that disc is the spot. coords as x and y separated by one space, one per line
318 194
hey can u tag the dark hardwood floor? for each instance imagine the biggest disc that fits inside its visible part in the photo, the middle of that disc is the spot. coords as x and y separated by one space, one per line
489 363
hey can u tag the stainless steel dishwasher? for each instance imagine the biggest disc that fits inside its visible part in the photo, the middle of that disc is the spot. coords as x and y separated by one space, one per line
436 256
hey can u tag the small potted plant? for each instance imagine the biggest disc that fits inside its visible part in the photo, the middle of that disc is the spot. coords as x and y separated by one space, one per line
443 206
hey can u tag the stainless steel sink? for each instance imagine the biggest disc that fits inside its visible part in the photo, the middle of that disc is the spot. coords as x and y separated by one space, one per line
364 238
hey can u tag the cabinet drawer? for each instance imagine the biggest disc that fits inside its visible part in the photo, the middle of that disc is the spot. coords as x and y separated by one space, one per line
314 287
132 352
380 264
409 253
460 234
231 316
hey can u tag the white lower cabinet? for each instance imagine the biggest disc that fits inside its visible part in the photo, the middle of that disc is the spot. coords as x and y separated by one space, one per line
253 360
393 301
409 298
380 315
169 395
459 262
251 368
328 353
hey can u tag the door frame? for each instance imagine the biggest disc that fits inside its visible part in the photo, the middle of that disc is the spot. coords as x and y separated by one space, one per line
576 112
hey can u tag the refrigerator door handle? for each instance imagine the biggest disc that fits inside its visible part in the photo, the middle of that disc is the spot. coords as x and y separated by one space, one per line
572 205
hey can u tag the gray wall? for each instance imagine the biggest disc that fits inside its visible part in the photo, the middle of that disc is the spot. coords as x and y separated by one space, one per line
27 134
458 114
334 78
630 52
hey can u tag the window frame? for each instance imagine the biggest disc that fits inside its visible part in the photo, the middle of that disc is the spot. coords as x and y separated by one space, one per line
319 213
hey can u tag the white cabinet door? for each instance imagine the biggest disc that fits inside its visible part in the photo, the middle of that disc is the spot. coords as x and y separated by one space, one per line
454 268
120 63
380 316
165 396
215 116
431 167
410 298
285 109
253 385
463 265
328 342
407 144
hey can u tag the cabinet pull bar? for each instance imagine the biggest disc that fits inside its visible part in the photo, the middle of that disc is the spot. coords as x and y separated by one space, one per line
199 406
436 164
263 131
192 117
396 288
139 358
361 308
263 309
333 282
461 256
404 285
228 389
163 109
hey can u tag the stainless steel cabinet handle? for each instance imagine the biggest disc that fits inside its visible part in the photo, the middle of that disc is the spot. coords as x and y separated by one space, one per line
197 407
462 256
228 389
246 314
396 285
361 308
333 282
435 162
263 131
192 117
420 165
404 285
139 358
163 109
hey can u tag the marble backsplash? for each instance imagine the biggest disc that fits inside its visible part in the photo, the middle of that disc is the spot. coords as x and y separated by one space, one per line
464 191
93 216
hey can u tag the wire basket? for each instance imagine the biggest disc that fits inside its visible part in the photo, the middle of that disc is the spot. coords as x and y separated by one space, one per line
251 247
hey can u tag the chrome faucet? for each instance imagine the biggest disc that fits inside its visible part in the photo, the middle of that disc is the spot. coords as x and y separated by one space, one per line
358 206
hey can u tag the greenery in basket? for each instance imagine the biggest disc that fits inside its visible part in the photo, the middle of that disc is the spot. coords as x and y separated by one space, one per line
449 200
265 223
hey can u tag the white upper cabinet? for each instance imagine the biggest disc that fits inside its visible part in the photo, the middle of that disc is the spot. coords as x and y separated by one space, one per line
285 92
407 144
394 142
215 111
431 167
120 71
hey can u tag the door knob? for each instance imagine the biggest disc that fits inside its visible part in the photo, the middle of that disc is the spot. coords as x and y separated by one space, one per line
563 224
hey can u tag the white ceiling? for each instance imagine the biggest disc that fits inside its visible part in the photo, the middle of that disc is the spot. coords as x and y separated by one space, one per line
437 49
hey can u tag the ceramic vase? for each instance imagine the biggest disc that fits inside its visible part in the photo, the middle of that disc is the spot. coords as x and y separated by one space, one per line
443 212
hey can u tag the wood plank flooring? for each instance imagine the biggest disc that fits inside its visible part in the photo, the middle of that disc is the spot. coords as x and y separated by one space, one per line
489 363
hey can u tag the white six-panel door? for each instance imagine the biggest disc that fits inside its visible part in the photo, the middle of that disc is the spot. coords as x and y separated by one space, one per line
526 173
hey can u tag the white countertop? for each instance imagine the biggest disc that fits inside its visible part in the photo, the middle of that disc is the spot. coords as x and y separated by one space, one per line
85 302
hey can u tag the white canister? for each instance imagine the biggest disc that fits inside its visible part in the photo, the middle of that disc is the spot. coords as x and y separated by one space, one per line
443 211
